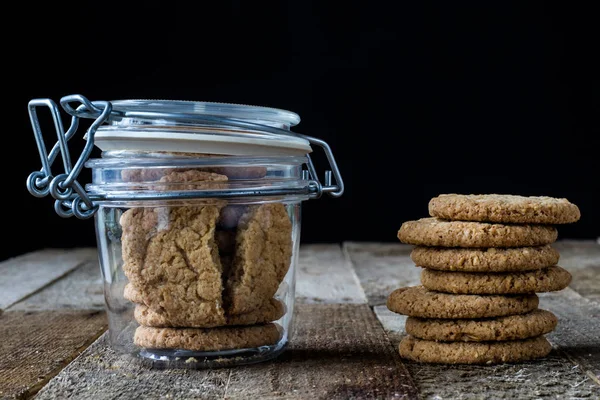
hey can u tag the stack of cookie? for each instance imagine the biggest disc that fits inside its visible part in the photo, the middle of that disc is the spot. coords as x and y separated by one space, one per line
485 257
204 277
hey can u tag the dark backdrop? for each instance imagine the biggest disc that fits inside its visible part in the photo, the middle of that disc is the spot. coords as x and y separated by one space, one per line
416 99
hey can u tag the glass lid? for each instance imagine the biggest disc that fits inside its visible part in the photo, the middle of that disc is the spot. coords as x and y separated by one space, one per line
190 110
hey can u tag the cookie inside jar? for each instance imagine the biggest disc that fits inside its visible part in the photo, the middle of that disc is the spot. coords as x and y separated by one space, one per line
205 271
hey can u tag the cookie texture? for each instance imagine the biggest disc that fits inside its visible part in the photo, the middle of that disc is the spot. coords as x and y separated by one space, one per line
130 293
504 208
230 172
171 258
270 311
513 327
542 280
174 178
485 260
437 232
474 352
417 301
262 257
240 172
207 339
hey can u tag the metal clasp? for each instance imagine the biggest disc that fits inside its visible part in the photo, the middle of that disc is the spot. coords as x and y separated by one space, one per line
72 199
331 187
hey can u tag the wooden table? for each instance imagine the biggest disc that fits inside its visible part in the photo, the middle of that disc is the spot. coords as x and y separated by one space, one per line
53 339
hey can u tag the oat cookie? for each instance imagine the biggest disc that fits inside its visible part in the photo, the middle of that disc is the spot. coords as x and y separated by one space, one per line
214 339
485 260
238 172
513 327
417 301
437 232
192 180
155 174
474 352
172 176
171 258
130 293
270 311
542 280
262 257
504 208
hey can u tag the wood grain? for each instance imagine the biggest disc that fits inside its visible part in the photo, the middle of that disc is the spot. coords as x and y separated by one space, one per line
578 332
80 289
35 346
24 275
338 352
582 259
382 268
325 276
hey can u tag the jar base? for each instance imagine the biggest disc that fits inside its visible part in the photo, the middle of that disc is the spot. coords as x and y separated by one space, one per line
173 358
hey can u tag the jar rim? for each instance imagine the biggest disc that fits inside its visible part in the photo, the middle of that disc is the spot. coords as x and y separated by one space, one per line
133 159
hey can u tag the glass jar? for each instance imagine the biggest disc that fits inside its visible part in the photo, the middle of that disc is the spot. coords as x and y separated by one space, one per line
197 209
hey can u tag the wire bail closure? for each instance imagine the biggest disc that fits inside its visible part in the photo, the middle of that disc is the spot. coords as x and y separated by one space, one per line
72 199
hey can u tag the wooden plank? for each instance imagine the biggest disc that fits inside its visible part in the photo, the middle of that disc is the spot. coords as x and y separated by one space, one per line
578 331
21 276
324 275
582 259
35 346
571 370
392 323
382 268
80 289
338 351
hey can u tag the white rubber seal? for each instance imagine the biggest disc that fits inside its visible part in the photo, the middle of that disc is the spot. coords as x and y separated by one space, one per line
238 145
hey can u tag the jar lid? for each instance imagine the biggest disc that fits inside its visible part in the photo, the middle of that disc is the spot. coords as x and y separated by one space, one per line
200 127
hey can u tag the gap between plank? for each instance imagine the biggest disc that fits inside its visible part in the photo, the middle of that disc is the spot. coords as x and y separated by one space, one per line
31 392
350 264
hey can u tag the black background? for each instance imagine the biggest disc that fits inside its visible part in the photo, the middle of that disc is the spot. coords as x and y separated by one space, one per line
416 99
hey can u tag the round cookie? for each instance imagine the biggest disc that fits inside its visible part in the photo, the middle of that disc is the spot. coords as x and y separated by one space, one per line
473 352
207 339
437 232
270 311
262 257
542 280
171 258
130 293
512 327
417 301
504 208
485 260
